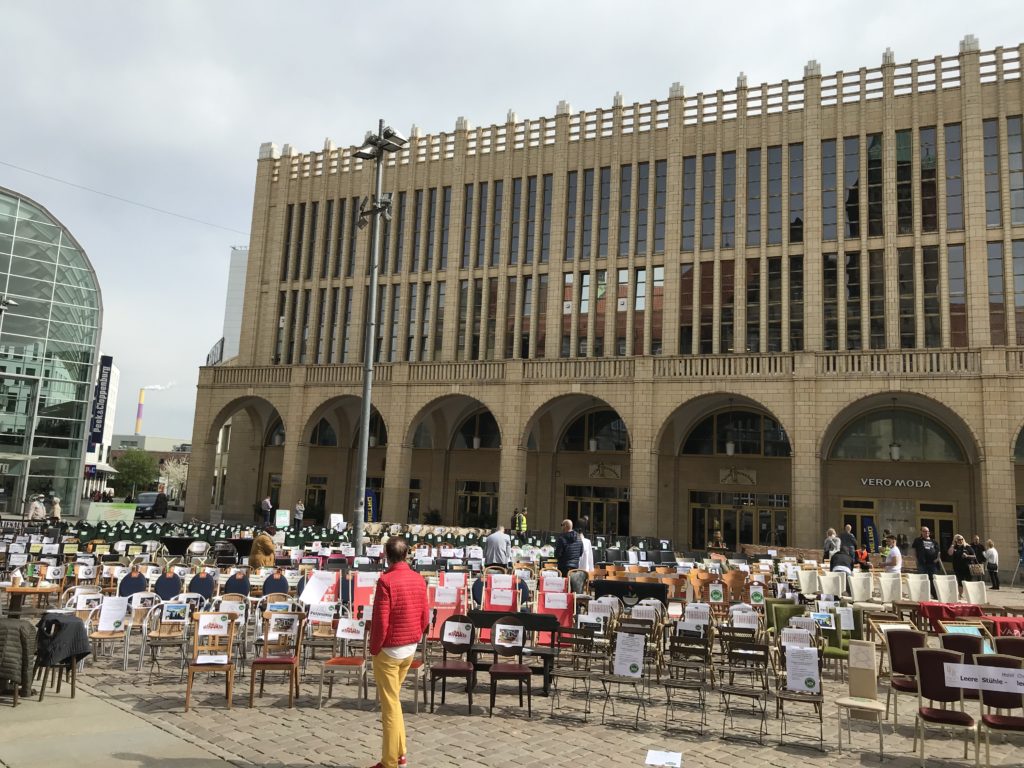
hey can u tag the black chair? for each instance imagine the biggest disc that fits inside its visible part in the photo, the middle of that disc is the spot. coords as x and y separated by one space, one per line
456 667
506 642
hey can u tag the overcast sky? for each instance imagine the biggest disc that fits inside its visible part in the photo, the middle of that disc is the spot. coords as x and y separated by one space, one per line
166 103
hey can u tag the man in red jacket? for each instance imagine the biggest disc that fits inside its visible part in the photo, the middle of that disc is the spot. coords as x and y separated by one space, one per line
400 617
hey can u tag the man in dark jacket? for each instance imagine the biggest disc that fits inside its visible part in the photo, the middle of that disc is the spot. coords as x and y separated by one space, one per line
847 541
568 548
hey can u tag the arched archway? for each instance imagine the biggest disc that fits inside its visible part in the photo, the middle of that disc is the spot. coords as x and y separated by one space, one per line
896 461
1018 478
724 465
578 465
456 446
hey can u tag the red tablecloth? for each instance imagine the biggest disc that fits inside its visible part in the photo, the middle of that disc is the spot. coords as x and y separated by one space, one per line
1006 625
936 612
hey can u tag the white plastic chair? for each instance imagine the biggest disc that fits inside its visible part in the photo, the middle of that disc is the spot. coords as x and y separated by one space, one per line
861 587
919 587
945 589
891 587
808 581
976 592
832 583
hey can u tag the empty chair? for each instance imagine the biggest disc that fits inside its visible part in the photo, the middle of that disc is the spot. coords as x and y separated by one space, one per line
808 581
1003 702
456 643
1010 646
901 644
891 587
832 583
976 592
937 703
860 587
919 587
945 589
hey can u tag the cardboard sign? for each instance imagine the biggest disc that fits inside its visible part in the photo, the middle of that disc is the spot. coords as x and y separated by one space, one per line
646 612
502 598
984 678
454 579
86 572
553 584
698 612
87 602
351 629
112 614
457 632
559 601
501 581
212 658
318 585
51 549
845 615
716 592
824 620
283 627
804 622
54 572
599 609
446 595
375 550
321 613
802 673
629 654
367 578
508 635
214 624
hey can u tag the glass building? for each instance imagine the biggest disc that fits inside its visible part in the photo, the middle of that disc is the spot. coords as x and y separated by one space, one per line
50 318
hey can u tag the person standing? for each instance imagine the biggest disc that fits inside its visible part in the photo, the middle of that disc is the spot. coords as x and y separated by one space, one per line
268 510
893 558
568 548
36 511
832 544
160 504
991 555
519 521
264 551
498 548
927 552
400 617
847 541
962 555
55 510
298 513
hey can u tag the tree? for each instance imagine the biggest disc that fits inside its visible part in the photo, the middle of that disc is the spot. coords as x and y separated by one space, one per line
136 470
175 474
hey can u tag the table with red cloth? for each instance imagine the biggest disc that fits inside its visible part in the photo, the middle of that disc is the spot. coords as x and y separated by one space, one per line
936 612
1003 626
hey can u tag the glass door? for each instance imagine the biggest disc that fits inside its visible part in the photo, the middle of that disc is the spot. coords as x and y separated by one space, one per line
476 504
606 509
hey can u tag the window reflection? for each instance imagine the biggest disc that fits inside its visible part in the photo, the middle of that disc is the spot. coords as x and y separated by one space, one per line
920 438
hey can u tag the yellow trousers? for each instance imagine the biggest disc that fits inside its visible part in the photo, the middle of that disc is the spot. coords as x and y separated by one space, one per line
389 674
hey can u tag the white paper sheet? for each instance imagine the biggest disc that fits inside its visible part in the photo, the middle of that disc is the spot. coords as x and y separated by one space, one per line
664 759
802 673
112 614
629 654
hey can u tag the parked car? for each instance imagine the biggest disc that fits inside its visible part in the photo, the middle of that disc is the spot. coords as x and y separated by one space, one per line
144 505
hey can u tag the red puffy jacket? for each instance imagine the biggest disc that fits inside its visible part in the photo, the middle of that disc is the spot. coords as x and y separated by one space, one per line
400 612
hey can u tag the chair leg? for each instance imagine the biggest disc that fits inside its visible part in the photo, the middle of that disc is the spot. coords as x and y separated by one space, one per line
252 685
433 690
42 687
231 684
188 688
494 691
469 693
74 677
291 687
529 698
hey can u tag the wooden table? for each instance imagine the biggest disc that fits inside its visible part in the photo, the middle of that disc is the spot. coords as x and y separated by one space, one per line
17 597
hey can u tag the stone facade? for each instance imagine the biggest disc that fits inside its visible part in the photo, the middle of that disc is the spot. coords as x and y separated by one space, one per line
824 278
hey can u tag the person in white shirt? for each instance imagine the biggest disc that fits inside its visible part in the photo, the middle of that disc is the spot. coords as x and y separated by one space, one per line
894 559
991 555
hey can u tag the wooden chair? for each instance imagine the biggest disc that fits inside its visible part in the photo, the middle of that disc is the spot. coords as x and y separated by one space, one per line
902 644
165 626
352 632
282 648
751 660
457 646
637 682
787 693
1003 703
937 703
507 643
735 582
214 634
575 658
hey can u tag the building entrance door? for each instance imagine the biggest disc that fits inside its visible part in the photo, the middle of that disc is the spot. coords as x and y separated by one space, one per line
940 519
476 504
606 508
742 518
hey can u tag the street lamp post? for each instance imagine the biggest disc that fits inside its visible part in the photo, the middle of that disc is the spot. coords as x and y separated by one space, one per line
375 146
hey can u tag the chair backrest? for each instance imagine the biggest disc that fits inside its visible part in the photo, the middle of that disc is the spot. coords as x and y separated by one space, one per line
1001 699
783 612
457 633
930 665
213 635
509 636
808 581
901 644
976 592
945 589
891 586
968 645
918 589
860 587
282 633
1010 646
832 583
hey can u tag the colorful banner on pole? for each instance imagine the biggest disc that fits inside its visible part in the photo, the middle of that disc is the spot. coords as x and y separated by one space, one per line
98 415
371 510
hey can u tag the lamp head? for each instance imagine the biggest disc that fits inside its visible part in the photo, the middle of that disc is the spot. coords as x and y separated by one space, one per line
393 140
369 149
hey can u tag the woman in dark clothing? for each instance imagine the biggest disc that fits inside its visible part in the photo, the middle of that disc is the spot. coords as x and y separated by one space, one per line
168 586
237 585
276 583
202 584
962 555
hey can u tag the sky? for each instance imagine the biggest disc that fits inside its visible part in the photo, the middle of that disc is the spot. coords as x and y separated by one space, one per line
166 104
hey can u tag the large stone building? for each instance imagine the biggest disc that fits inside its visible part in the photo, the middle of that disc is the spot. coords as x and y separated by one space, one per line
769 310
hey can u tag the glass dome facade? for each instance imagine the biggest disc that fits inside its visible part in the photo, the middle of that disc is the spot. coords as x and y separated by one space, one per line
49 340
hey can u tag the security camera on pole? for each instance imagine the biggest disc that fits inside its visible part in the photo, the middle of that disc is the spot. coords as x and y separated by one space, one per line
374 147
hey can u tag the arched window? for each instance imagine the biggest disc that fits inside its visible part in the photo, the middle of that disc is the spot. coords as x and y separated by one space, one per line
596 431
478 431
746 433
874 435
1018 450
378 431
324 435
275 436
422 437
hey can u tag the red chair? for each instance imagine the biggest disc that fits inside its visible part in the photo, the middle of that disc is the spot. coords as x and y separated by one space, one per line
901 644
1010 646
932 688
1001 701
970 646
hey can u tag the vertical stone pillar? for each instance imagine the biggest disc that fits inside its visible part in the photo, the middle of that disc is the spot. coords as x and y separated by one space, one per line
397 472
200 480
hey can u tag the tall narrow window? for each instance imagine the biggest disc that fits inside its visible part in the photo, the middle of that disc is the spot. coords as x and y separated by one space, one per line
282 302
417 230
851 185
657 309
728 199
904 183
796 193
774 195
993 203
499 193
542 316
621 310
292 330
642 186
424 332
830 301
545 218
510 318
478 309
289 224
774 308
526 317
639 308
686 309
513 231
428 261
325 241
689 202
1018 288
346 339
625 204
875 187
600 301
379 348
467 226
932 313
399 219
583 315
412 321
828 190
854 339
568 285
300 239
660 192
446 217
588 213
929 193
707 203
481 227
954 178
726 309
396 329
492 319
956 277
463 320
604 212
1015 156
339 240
753 197
707 307
796 303
332 344
353 234
996 294
321 339
753 305
439 301
531 219
571 191
905 287
876 298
